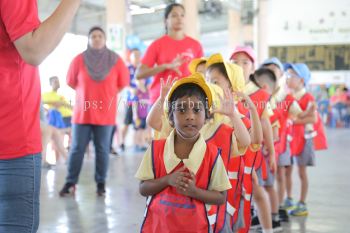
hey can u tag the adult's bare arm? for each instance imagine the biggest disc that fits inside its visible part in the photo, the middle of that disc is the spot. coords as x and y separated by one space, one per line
35 46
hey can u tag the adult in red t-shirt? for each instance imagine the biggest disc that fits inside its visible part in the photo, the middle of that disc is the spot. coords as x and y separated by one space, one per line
97 75
24 44
169 55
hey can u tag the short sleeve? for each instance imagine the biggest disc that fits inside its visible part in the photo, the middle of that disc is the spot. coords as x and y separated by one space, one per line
310 127
237 149
145 171
150 57
123 78
72 74
295 109
255 147
219 180
166 129
275 124
200 52
19 17
46 97
268 112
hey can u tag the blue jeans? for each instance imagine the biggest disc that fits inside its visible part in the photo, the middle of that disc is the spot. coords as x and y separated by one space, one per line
19 194
338 114
81 135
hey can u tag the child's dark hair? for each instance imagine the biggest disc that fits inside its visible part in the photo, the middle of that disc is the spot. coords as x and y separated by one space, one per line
201 63
168 9
135 50
263 72
96 28
51 79
188 89
220 67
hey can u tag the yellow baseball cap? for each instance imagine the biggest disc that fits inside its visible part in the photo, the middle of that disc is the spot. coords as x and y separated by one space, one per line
197 79
234 72
216 93
194 63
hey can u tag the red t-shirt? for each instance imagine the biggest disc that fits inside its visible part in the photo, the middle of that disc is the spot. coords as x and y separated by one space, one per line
165 50
96 102
19 83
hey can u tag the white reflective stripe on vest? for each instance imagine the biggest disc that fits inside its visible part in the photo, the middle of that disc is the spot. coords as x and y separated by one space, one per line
247 197
212 219
230 209
233 175
248 170
310 135
144 215
207 207
148 200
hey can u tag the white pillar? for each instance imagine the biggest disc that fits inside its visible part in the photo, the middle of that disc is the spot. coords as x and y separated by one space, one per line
192 26
118 24
235 34
262 30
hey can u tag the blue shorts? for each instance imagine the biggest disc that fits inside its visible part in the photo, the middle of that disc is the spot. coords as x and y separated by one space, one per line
67 122
285 158
307 156
240 219
142 124
270 177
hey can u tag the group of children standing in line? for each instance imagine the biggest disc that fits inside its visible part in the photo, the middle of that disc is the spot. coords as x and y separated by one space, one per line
222 137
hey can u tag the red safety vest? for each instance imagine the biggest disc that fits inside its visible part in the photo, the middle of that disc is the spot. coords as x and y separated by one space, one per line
320 140
285 129
222 138
298 138
260 98
170 212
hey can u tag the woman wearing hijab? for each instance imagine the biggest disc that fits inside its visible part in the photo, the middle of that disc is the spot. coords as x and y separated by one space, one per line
97 75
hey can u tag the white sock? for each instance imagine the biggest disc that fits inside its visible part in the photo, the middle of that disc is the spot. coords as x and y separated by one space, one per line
267 231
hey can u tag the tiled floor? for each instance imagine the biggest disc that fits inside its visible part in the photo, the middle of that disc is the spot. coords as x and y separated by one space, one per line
123 207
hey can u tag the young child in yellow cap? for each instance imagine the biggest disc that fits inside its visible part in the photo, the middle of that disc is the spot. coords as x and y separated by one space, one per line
232 137
182 174
244 56
197 65
230 76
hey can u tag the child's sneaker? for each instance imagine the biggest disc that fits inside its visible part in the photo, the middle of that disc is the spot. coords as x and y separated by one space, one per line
276 226
300 210
288 204
255 223
283 215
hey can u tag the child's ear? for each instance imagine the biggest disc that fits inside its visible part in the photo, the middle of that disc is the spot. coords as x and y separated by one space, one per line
171 123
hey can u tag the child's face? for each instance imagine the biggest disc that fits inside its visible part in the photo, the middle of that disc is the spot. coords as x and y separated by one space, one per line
276 70
201 68
266 85
216 77
293 80
247 65
188 116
